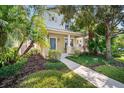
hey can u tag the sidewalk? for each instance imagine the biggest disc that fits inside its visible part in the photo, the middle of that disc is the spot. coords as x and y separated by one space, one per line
97 79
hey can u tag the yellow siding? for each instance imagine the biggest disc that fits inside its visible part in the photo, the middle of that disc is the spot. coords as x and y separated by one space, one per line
60 41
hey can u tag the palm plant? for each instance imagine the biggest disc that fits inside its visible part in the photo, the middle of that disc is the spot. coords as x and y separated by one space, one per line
22 25
3 34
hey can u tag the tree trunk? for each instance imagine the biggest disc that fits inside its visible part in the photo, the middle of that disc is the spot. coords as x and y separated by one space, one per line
28 48
90 39
108 43
17 51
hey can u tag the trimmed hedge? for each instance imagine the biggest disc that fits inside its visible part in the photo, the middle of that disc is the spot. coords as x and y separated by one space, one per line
13 69
54 54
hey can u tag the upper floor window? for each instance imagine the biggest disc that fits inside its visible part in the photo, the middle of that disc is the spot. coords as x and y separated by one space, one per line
53 18
66 26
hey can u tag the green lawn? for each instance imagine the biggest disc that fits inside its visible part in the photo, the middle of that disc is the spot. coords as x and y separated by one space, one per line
121 59
55 66
116 73
87 60
112 71
55 75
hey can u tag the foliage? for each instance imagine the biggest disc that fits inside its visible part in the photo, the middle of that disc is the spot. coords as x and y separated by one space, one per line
18 23
121 59
112 72
111 16
54 54
31 52
116 55
118 43
13 69
38 31
100 38
77 52
8 56
55 65
24 23
54 79
67 11
88 17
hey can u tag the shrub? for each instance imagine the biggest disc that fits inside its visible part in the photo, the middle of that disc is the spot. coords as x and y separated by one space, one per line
8 57
13 69
116 55
77 51
55 66
54 54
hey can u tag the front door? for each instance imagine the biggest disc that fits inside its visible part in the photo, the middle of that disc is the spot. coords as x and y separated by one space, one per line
65 43
52 43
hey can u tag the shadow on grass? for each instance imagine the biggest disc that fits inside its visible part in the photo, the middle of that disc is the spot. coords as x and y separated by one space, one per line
54 79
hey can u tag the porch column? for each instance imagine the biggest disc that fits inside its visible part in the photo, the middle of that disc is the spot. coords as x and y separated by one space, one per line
69 46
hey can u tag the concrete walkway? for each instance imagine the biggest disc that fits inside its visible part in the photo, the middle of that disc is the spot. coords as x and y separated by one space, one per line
97 79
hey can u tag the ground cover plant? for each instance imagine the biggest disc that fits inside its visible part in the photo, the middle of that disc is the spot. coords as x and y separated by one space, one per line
13 69
55 75
121 59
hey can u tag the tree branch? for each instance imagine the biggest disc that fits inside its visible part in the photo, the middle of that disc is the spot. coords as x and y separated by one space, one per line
121 31
118 21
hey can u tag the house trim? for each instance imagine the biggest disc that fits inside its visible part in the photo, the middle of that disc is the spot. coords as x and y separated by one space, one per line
64 32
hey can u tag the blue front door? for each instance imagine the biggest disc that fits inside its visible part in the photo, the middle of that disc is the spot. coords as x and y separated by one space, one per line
52 43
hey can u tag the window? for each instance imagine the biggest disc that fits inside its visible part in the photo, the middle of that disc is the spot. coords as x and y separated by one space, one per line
52 43
66 26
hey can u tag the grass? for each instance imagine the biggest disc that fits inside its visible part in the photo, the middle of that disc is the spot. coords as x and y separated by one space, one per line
87 60
55 66
112 72
101 66
55 75
54 79
121 59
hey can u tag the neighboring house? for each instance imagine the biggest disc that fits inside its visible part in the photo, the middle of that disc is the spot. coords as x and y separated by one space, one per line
59 37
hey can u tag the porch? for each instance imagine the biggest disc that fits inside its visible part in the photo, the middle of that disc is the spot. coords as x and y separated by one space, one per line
65 41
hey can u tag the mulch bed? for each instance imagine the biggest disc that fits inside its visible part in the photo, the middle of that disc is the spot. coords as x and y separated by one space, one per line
35 63
114 63
95 66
